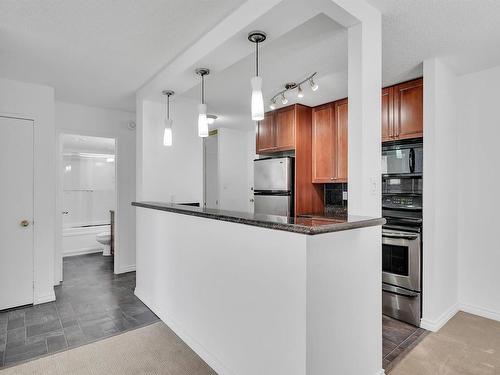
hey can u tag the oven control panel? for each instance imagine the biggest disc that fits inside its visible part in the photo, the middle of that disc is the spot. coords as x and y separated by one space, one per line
402 201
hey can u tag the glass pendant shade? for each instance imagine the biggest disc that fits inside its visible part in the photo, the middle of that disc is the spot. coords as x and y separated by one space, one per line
167 133
202 121
257 99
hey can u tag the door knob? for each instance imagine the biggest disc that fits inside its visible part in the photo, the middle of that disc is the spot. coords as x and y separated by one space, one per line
24 223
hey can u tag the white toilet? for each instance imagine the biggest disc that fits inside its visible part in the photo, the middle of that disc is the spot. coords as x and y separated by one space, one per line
105 239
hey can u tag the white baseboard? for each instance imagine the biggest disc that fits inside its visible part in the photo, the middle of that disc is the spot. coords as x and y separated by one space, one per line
381 372
44 298
130 268
480 311
436 325
211 360
82 251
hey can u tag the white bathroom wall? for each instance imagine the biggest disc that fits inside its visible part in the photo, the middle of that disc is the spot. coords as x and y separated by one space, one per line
100 122
36 102
440 257
477 184
88 190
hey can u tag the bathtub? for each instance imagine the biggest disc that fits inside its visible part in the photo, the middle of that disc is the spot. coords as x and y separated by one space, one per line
81 240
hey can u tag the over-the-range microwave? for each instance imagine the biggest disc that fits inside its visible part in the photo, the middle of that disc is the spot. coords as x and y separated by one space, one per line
402 159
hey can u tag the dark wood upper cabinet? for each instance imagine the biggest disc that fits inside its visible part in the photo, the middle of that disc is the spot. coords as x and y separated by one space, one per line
285 129
409 109
329 142
387 114
265 139
323 140
341 131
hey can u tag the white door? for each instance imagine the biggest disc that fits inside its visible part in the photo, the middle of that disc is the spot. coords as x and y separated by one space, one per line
211 171
16 214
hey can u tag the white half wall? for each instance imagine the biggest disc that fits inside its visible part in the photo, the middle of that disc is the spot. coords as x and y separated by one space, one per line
36 102
440 256
174 173
92 121
478 203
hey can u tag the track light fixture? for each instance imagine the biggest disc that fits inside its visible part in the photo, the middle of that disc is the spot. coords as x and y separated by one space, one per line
202 107
256 82
167 132
292 86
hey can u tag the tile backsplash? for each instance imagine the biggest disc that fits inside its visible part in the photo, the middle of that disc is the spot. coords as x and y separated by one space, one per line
335 199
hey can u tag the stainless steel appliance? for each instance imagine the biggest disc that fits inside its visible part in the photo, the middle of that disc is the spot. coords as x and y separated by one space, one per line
402 159
273 186
402 234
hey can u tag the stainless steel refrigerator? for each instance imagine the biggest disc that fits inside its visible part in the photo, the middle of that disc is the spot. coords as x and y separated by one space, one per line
273 186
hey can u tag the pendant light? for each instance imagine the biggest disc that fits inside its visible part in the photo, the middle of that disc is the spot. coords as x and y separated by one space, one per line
256 82
167 132
202 107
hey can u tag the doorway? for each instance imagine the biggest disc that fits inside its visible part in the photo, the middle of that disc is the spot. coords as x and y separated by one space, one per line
88 195
16 218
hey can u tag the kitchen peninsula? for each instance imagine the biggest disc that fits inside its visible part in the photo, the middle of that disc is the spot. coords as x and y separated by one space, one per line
261 294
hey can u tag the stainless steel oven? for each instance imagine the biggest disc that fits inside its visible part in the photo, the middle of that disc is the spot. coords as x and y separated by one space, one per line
401 274
401 258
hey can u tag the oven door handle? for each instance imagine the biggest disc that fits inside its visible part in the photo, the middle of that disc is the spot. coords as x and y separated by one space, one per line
399 291
401 236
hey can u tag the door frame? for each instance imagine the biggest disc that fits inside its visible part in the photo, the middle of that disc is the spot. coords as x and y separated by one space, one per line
58 264
16 116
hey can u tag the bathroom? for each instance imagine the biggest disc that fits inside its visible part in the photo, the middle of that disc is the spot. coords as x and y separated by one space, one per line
88 178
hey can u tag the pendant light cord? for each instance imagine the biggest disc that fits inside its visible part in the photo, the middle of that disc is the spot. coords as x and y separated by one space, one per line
202 89
168 107
257 59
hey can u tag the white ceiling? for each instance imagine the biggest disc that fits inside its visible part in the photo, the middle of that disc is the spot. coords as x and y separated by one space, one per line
99 52
466 33
319 45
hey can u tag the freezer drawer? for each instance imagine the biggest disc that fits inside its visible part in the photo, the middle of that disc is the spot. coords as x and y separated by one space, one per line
273 204
401 304
273 174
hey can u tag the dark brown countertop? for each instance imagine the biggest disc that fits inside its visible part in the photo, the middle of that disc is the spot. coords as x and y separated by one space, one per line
304 224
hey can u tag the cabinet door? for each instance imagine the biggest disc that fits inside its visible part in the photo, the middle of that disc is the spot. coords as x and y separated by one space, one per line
323 143
265 134
285 129
409 109
387 114
341 128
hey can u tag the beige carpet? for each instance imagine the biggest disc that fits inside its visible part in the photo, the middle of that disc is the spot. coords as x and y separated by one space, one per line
154 349
466 345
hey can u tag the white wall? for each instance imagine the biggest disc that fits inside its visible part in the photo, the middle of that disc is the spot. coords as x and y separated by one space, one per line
78 119
175 173
37 102
440 289
478 185
235 177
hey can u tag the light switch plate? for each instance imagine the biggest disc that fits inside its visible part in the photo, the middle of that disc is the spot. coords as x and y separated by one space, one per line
344 195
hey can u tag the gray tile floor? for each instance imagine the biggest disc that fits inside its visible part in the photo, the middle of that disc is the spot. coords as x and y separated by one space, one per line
91 304
398 338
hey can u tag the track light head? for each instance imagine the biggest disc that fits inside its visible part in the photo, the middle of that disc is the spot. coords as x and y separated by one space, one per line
284 100
300 93
314 86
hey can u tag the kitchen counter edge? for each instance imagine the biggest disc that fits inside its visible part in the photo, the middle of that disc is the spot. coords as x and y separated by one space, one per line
353 222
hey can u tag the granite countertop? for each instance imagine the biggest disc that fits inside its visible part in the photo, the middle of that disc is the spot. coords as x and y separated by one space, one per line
304 224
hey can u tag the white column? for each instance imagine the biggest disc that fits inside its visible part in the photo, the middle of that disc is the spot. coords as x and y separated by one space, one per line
364 91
